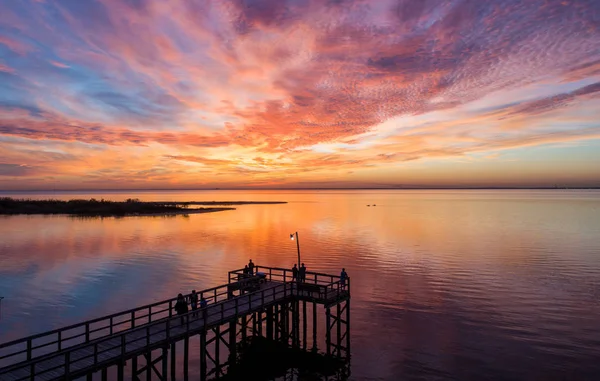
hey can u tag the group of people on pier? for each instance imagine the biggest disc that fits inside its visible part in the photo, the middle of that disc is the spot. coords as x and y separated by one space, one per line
298 274
181 306
249 268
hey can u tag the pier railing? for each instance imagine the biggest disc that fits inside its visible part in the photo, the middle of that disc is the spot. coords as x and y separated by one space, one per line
104 351
315 285
279 274
34 346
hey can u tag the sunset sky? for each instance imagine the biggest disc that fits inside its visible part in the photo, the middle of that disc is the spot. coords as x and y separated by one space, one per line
98 94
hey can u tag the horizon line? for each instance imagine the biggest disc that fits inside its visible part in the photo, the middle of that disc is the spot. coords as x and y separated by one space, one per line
300 188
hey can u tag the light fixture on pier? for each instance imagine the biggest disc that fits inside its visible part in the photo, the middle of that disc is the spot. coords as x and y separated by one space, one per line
294 237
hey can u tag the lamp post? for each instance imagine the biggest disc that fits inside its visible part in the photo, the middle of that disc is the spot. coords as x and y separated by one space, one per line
294 236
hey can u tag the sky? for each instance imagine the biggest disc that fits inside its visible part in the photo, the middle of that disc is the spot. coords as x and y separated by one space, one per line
154 94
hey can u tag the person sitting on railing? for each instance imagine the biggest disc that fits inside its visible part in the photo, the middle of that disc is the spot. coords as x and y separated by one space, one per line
251 267
343 277
246 271
181 306
302 273
194 302
294 273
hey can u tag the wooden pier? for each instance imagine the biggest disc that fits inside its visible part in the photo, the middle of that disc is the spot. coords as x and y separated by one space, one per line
269 304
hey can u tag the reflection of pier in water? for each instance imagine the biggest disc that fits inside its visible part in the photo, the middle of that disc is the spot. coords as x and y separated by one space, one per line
142 342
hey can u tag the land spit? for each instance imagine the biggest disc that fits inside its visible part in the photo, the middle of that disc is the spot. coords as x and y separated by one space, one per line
106 208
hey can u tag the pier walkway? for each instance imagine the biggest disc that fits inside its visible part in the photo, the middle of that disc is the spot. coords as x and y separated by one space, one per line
82 349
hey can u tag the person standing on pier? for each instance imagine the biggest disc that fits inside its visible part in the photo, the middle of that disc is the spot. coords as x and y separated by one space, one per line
294 273
181 307
343 277
251 267
302 273
194 302
203 304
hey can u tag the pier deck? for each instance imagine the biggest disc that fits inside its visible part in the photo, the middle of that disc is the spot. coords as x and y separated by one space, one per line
84 348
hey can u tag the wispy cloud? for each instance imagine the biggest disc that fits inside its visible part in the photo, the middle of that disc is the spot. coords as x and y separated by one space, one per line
6 69
7 169
60 64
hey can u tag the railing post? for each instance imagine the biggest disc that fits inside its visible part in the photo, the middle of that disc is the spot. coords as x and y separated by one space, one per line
87 332
59 340
170 308
270 274
133 319
29 350
150 314
67 364
147 336
111 325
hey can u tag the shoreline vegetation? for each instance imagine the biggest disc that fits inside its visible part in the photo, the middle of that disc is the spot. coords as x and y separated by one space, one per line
106 208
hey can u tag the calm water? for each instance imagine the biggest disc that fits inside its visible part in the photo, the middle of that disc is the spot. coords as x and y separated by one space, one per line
446 285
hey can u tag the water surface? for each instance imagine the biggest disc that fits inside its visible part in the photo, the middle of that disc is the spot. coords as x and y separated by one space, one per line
446 285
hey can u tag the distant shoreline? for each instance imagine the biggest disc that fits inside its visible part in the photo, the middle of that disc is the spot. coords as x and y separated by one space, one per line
7 191
105 208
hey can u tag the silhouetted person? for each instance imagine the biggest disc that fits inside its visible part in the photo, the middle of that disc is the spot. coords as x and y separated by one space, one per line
302 273
251 267
294 272
181 307
246 270
194 302
203 304
343 277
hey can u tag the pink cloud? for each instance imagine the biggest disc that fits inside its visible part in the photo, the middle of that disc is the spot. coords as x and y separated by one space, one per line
60 64
15 45
6 69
